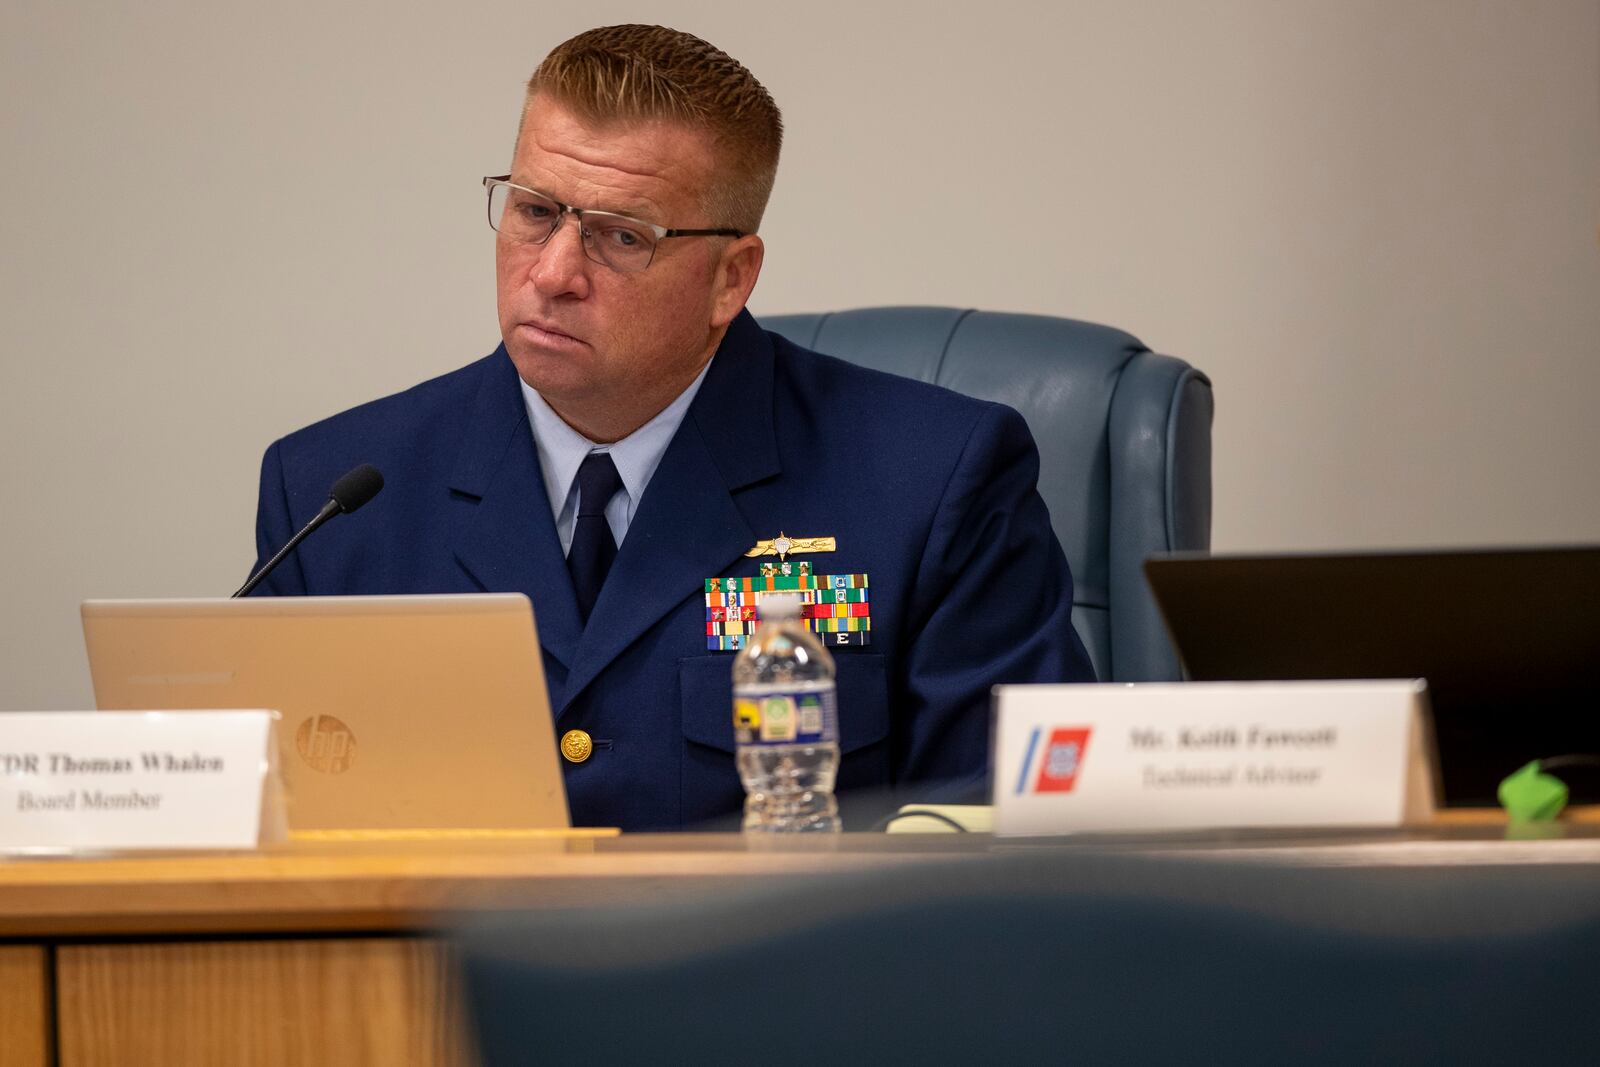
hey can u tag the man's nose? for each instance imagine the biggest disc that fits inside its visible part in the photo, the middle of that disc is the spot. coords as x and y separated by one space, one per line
563 266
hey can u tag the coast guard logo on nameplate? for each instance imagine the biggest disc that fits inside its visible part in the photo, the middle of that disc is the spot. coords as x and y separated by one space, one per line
834 606
1058 762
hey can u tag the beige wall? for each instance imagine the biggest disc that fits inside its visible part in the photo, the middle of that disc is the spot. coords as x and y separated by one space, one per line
1372 221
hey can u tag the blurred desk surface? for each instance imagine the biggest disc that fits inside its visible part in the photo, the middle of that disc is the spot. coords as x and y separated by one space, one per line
414 884
319 952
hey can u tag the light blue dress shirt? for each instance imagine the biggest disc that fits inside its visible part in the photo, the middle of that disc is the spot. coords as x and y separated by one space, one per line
562 449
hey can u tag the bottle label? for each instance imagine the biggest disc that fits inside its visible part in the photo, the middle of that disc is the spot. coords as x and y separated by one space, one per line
804 717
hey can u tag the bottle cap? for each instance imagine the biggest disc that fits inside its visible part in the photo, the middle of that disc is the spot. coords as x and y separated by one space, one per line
780 606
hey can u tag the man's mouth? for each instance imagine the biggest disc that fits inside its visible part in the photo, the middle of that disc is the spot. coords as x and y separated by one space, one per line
548 334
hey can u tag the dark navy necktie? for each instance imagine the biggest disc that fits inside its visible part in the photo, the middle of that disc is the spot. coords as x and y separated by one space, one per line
592 549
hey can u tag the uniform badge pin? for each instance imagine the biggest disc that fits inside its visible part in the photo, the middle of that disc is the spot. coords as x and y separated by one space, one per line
783 546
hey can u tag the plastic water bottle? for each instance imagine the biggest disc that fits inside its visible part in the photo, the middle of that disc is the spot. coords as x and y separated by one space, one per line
786 723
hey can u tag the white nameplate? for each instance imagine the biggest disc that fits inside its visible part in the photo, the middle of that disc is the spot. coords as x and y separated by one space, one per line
1211 754
84 780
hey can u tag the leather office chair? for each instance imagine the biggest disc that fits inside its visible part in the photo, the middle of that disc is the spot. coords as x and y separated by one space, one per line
1072 955
1124 445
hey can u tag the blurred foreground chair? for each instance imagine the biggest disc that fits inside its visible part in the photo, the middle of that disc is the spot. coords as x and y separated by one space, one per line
1057 958
1124 445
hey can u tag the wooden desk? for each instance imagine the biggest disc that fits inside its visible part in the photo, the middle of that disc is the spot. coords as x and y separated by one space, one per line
315 954
24 999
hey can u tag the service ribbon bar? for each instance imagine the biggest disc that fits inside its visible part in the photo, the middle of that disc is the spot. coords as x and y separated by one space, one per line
826 609
859 624
735 642
835 607
779 583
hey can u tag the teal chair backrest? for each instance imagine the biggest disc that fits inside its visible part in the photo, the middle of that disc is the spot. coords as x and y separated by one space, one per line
1124 445
1081 954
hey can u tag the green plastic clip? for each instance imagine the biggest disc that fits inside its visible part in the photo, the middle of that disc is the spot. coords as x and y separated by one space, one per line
1530 795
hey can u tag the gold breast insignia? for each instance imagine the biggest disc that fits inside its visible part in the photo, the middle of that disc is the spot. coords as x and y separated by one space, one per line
782 545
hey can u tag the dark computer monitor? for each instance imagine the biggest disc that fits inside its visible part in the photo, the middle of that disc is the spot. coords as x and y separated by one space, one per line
1508 640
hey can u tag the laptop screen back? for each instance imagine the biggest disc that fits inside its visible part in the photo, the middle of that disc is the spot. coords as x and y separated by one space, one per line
411 712
1508 641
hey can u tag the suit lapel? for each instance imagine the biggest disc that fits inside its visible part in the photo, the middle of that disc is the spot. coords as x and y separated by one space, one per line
688 527
508 540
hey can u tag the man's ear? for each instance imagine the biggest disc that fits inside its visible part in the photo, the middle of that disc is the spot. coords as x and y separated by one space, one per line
736 273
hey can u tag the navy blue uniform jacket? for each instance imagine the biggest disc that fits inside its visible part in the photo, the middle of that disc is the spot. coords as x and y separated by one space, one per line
929 493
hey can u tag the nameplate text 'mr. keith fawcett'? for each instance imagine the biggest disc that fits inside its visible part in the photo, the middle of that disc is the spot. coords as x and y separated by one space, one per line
1184 756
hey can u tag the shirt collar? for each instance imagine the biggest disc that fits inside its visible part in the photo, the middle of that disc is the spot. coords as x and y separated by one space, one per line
562 449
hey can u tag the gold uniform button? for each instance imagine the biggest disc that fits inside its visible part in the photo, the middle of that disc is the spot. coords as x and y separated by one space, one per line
576 746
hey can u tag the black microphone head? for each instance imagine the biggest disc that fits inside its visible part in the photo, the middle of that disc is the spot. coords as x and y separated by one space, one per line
356 488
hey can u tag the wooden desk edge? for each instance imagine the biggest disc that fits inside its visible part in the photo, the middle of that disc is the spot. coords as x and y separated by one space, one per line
372 893
1578 815
399 887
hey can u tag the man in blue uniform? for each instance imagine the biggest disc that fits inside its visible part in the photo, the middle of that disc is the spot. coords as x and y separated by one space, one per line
637 433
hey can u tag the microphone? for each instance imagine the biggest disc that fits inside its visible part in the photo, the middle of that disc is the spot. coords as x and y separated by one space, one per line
348 493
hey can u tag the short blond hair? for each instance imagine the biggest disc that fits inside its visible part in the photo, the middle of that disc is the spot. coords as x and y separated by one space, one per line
639 73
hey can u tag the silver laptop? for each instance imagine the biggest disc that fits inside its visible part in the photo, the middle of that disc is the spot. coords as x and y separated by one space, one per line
409 712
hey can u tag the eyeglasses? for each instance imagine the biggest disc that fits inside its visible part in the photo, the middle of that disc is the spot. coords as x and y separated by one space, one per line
616 241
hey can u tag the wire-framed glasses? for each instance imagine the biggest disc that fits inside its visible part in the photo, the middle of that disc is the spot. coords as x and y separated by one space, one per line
617 241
